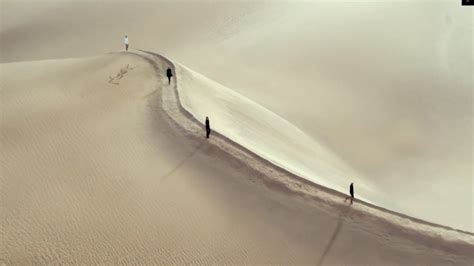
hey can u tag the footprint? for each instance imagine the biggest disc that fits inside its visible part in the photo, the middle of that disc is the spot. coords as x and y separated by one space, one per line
119 75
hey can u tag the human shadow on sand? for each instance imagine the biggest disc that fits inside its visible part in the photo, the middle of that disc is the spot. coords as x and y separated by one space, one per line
337 230
183 161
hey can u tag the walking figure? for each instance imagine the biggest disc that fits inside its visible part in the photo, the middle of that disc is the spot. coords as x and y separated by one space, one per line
125 41
208 127
169 74
351 191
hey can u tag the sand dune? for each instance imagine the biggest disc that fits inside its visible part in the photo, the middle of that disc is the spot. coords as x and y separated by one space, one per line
97 168
103 162
391 95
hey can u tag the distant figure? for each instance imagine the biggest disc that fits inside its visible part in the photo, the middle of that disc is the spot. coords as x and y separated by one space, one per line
351 191
125 41
208 127
169 74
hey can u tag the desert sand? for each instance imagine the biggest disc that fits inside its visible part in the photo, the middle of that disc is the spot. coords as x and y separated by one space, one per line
104 162
390 95
95 170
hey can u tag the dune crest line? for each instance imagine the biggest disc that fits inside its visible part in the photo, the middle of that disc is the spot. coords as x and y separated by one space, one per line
445 238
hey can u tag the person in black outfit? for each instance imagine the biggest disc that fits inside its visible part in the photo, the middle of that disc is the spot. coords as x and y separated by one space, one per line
208 127
351 191
169 74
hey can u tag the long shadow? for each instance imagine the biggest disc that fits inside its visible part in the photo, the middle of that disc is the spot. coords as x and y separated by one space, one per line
336 232
183 161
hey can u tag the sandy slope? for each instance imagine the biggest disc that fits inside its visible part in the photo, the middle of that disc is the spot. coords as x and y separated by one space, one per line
386 86
95 171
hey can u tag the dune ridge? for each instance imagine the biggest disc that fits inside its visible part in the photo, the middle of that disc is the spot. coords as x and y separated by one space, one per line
444 237
106 171
391 95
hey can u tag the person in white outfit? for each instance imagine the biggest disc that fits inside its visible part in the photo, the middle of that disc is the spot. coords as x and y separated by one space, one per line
125 41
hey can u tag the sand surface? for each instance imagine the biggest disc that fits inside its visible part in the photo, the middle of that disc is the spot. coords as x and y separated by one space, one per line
100 163
391 95
95 171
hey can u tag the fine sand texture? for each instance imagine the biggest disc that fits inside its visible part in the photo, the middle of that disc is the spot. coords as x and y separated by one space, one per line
101 164
385 86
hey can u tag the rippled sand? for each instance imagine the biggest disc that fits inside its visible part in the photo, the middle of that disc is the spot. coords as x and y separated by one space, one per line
95 171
